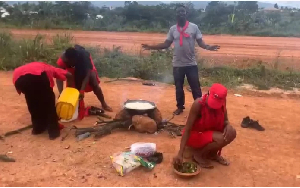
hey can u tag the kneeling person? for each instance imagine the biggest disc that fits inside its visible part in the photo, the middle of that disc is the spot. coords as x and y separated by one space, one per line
35 81
207 129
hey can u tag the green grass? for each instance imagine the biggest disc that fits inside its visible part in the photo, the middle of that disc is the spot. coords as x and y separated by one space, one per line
157 66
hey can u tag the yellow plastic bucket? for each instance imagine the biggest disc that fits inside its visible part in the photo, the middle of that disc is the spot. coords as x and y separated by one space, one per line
67 102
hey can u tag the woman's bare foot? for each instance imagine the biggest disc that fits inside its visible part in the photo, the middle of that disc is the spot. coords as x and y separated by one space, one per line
204 163
220 160
107 108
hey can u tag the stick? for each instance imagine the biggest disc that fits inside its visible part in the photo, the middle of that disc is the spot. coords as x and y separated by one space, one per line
5 158
111 80
67 134
18 131
124 79
171 118
105 116
103 121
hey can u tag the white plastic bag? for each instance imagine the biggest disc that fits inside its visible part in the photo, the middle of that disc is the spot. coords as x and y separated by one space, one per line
143 149
124 162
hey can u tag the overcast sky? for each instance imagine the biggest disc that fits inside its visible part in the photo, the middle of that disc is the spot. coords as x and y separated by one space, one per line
280 3
285 3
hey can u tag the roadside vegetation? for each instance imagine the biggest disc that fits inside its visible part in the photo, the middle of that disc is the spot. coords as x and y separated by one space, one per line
157 66
240 18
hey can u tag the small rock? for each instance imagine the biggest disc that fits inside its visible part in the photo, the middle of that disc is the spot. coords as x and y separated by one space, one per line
101 176
67 147
53 160
155 176
10 152
238 95
298 177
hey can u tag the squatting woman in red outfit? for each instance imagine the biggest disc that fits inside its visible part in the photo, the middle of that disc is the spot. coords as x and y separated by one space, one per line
207 129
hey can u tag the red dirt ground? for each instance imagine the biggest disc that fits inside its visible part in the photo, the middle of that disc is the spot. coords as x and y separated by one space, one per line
233 50
269 158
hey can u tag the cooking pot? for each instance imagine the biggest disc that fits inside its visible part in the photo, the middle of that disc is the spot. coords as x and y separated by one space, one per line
138 111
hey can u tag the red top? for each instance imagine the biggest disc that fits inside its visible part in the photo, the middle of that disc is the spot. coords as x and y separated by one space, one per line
88 88
37 68
211 119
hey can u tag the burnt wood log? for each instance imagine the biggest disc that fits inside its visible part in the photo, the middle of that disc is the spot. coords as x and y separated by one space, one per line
80 131
109 127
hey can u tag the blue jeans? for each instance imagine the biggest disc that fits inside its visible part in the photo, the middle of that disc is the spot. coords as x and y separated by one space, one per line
191 73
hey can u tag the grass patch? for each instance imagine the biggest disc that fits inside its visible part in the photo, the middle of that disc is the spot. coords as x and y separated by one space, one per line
157 66
15 53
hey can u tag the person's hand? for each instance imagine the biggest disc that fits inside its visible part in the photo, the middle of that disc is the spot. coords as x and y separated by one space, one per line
213 48
81 96
146 46
178 159
228 133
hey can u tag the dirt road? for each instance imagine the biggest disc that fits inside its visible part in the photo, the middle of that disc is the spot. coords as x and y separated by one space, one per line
269 158
233 48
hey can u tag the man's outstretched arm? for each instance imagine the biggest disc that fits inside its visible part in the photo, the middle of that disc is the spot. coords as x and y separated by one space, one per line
160 46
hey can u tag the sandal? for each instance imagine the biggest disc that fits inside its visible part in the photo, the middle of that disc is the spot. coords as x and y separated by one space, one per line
221 160
204 165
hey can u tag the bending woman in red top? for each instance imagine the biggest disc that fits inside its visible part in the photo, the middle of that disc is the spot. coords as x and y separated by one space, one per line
35 81
79 62
207 129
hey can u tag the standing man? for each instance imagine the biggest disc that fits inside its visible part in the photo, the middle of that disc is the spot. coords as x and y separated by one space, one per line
184 35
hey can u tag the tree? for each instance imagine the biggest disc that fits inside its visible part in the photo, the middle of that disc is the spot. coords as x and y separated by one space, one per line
274 17
217 13
276 6
248 6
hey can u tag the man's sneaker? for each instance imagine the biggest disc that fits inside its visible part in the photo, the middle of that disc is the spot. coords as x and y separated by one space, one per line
246 122
178 111
257 126
249 123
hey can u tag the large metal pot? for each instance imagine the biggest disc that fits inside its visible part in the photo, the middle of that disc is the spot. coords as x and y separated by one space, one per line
138 111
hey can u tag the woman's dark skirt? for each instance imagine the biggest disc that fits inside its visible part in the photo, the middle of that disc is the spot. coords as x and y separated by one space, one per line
40 100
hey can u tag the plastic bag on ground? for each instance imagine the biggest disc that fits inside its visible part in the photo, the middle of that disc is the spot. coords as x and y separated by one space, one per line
143 149
144 163
124 162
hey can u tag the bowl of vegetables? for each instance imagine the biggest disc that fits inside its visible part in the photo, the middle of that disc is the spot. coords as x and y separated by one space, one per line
187 169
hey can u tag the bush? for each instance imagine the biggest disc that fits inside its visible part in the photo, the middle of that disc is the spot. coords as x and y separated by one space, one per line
15 53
